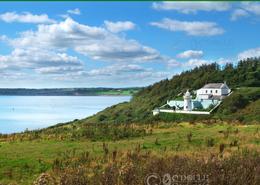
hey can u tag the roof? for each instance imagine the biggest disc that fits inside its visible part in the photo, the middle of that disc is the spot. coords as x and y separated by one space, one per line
187 93
213 86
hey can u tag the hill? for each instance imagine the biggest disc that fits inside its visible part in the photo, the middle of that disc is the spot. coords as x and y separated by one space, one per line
116 122
90 152
245 74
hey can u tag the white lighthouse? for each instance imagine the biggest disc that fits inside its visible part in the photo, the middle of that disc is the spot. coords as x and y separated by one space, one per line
187 101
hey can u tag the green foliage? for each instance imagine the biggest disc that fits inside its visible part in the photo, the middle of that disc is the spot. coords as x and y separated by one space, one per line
235 102
242 105
246 73
166 117
110 132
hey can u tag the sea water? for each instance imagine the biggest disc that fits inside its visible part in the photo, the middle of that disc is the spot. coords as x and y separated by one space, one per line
18 113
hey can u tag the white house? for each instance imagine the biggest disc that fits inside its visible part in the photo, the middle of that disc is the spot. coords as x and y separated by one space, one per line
213 91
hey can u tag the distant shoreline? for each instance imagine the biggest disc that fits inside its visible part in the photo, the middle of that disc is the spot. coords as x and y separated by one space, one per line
69 92
68 95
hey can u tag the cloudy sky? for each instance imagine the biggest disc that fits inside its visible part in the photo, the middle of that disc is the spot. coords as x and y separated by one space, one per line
120 44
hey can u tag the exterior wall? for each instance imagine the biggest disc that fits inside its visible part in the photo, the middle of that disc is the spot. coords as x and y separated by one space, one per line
222 91
194 103
225 91
187 104
199 91
184 111
203 96
156 111
209 91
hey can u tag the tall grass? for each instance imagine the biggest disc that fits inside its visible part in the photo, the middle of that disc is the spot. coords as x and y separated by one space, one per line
132 167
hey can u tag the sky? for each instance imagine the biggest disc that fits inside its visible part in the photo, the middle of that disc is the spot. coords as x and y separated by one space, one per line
120 44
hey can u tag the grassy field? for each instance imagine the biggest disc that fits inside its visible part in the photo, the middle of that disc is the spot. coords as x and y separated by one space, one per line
22 161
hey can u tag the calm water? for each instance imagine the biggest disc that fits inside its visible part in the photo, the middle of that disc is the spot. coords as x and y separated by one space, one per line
20 112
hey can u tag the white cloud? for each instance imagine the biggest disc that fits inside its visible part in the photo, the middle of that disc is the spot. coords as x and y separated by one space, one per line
116 70
152 75
127 72
173 63
25 17
224 61
75 11
194 28
58 69
64 16
42 53
188 64
123 74
190 54
119 26
251 53
94 42
191 7
3 64
246 9
196 62
39 60
253 7
238 13
65 34
118 49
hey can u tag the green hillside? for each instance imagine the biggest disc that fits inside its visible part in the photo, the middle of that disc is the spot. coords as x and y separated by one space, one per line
245 74
243 105
89 151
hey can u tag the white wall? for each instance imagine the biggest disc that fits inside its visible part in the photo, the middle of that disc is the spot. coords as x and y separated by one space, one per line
214 92
203 96
184 111
187 105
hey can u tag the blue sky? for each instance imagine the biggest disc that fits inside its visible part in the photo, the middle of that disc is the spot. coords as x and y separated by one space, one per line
120 44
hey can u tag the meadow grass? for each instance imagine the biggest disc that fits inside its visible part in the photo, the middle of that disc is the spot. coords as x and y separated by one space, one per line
22 161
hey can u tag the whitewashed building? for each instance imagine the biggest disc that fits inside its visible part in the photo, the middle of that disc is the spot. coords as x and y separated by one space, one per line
209 95
187 101
207 99
213 91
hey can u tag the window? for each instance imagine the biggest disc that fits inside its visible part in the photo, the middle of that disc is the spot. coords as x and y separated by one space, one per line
206 91
216 91
210 91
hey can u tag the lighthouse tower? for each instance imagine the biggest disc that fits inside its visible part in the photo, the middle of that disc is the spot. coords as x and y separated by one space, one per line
187 101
